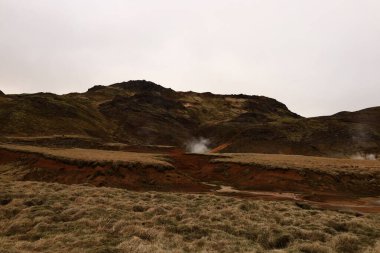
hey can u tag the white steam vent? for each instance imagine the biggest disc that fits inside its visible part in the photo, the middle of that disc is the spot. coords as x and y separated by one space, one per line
198 146
361 156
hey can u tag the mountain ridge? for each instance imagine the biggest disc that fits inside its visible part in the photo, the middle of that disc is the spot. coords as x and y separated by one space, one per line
141 112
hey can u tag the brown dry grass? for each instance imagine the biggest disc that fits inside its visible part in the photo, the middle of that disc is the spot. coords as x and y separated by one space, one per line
91 155
48 217
30 138
320 164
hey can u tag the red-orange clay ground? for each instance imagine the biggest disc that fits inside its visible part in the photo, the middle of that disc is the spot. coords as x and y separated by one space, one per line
196 173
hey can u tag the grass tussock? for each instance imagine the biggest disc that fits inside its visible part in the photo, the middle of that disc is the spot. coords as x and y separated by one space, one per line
92 156
48 217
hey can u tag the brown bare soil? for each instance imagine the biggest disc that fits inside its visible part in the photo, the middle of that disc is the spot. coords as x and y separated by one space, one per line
219 148
134 177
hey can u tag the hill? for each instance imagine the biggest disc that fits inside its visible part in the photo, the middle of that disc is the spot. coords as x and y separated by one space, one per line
342 134
144 113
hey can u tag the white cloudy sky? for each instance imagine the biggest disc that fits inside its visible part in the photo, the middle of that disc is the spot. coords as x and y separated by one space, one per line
316 56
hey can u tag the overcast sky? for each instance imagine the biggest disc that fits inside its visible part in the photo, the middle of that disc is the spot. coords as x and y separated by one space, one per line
316 56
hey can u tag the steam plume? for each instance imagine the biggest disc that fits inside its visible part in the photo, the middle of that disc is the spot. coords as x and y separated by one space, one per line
198 146
361 156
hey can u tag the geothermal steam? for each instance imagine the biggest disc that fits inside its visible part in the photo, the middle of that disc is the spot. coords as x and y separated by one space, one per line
198 146
361 156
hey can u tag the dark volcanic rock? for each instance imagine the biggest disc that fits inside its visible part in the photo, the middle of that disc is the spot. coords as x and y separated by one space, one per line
141 86
96 88
147 118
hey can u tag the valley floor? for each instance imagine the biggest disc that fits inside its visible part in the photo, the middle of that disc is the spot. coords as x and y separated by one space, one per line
160 199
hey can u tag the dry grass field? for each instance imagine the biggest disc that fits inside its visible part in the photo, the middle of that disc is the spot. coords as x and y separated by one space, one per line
50 217
31 138
91 155
299 162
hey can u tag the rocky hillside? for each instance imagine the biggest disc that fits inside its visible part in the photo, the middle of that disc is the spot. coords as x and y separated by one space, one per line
342 134
142 112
